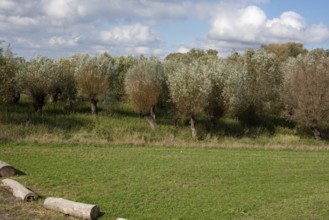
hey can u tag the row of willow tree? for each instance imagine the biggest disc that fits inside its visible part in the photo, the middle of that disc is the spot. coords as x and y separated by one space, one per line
279 80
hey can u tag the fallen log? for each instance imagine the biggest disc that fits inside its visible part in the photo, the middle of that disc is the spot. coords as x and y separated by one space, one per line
19 191
76 209
6 169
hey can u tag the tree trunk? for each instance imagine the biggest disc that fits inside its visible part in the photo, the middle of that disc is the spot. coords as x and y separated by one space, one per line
38 103
76 209
6 169
94 110
38 108
152 112
53 97
317 134
151 118
17 97
14 98
193 129
19 191
68 104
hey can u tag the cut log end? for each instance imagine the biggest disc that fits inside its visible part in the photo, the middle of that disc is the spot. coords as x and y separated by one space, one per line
31 197
94 213
7 171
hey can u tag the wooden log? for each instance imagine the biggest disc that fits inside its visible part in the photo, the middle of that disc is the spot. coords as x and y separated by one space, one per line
19 191
77 209
6 169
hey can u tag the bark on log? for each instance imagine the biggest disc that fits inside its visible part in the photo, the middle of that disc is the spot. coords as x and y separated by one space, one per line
19 191
76 209
6 169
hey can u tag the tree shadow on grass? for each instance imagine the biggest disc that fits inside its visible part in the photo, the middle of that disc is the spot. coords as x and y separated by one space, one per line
101 214
230 127
19 172
66 122
124 113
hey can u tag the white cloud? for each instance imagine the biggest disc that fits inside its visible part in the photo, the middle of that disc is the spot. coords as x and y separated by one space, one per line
139 35
317 33
60 9
183 49
26 43
142 50
289 19
23 21
61 41
6 5
250 26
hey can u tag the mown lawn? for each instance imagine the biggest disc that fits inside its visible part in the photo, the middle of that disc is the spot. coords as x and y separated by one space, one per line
176 182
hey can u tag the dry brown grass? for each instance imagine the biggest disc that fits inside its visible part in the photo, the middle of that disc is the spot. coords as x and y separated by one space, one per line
14 209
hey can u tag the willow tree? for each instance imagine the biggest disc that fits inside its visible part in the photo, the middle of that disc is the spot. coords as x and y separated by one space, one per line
92 78
65 69
9 67
189 86
143 85
286 50
223 75
306 94
122 65
258 88
35 80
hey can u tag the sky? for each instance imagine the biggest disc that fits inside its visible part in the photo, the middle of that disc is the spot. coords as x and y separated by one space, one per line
60 28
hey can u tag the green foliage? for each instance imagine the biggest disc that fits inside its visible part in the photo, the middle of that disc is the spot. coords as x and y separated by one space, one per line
42 76
65 69
193 55
36 79
189 86
143 84
258 87
9 67
61 81
122 65
218 99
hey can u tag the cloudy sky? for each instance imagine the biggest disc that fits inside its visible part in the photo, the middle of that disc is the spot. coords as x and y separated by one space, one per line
58 28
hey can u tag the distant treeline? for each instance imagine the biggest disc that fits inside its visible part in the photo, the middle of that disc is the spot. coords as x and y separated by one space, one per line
275 81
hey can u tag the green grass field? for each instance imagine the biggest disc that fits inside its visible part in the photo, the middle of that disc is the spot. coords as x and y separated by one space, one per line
117 161
178 182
